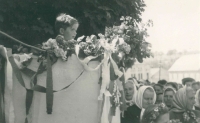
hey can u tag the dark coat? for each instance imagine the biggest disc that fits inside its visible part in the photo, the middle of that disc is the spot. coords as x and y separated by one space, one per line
179 115
131 115
197 108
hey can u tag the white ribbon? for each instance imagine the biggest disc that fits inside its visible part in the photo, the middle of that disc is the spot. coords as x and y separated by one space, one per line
9 108
105 69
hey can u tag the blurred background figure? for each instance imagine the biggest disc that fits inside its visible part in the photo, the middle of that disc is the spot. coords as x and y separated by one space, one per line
159 98
168 94
196 86
180 86
158 88
162 82
188 81
173 85
197 100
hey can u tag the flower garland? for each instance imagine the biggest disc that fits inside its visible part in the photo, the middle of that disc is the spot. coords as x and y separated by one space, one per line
175 121
155 113
60 47
190 115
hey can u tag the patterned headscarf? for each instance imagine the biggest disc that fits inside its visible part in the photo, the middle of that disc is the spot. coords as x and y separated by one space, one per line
179 103
197 99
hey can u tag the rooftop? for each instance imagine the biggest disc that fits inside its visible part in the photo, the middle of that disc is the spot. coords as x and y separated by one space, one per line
186 63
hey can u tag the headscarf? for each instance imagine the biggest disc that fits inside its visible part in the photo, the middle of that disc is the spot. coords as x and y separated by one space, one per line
134 94
197 99
139 96
179 103
167 88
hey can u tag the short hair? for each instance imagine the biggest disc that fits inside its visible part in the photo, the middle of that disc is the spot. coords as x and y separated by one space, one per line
173 84
153 112
188 79
150 89
162 82
159 94
169 89
64 21
160 85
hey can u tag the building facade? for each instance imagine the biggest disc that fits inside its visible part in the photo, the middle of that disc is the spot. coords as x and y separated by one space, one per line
185 66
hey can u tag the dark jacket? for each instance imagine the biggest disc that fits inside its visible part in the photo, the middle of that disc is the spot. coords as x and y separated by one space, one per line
179 115
131 115
197 108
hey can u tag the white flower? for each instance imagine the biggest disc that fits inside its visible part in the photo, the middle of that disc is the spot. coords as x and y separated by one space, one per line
59 52
50 44
156 109
162 105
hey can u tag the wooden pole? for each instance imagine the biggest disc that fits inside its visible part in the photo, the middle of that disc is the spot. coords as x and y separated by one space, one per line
18 41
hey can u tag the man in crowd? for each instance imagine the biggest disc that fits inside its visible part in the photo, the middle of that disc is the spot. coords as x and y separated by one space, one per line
188 81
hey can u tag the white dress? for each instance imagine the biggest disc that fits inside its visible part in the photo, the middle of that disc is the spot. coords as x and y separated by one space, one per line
76 104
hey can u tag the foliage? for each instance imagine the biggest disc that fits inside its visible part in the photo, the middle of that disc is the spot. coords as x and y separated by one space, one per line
33 21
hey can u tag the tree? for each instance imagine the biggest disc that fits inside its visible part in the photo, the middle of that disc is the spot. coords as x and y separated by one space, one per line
172 52
32 21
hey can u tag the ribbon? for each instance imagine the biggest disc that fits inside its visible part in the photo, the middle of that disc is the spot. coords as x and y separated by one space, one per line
49 86
2 83
9 108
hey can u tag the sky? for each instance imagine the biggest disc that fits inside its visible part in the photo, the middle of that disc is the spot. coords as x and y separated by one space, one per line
176 24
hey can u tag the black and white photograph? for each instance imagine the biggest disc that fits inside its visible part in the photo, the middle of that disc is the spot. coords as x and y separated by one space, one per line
100 61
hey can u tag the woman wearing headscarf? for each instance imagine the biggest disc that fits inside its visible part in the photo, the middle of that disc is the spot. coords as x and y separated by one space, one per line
130 93
197 100
182 106
145 96
168 94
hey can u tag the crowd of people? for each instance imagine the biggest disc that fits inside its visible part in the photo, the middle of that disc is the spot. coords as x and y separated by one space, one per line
164 102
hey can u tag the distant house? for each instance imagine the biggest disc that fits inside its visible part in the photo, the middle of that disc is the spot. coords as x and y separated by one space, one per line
139 71
185 66
157 74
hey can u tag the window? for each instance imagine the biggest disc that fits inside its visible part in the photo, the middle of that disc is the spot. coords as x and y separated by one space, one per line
147 75
141 76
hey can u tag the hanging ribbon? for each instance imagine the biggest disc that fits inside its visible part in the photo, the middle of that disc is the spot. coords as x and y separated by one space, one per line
49 86
2 84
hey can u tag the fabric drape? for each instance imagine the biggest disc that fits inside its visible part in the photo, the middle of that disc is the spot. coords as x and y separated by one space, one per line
180 101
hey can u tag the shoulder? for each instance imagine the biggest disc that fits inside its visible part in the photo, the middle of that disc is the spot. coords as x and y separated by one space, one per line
197 108
175 115
197 113
136 108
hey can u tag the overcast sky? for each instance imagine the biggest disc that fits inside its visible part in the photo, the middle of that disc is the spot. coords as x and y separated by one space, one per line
176 24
